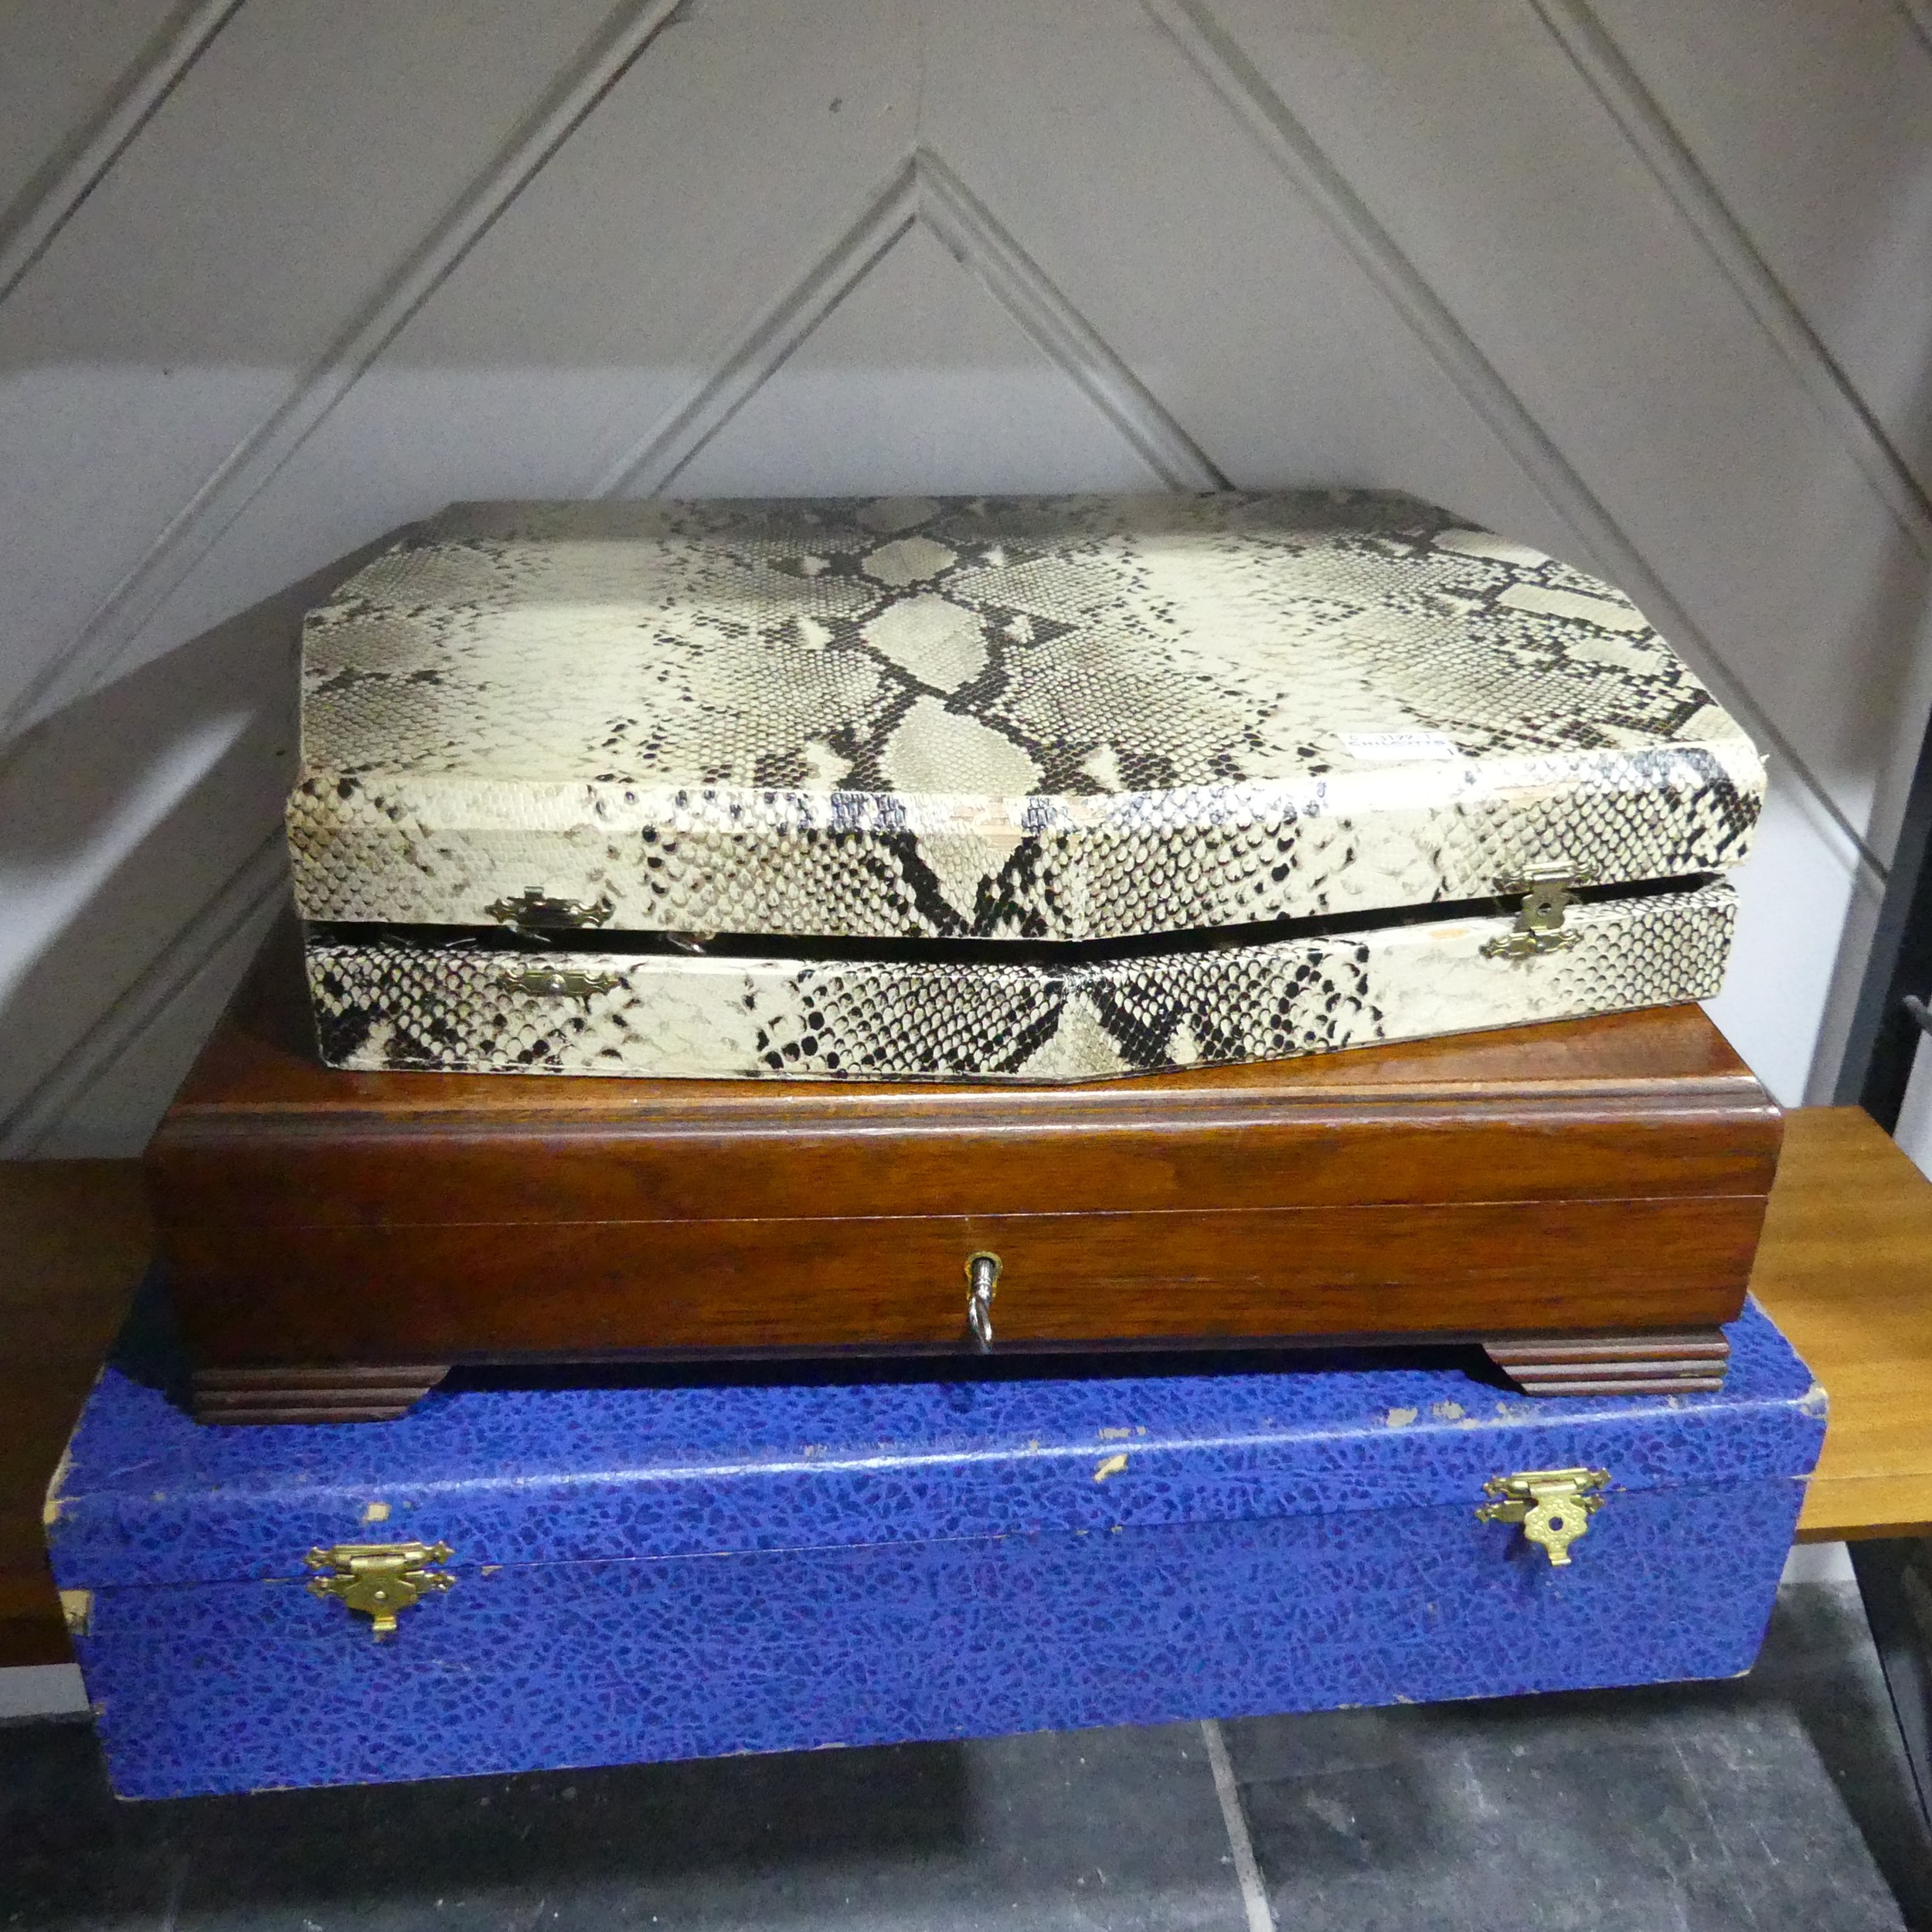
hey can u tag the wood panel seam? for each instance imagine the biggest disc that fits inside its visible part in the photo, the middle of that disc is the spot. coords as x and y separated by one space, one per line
1328 1208
204 1121
50 199
923 188
1242 88
91 653
974 236
250 894
1593 51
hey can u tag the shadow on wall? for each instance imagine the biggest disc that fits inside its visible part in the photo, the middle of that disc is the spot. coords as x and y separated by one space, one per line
141 859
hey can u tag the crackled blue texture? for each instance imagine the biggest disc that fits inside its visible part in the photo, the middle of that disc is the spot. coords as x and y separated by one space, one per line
647 1573
526 1476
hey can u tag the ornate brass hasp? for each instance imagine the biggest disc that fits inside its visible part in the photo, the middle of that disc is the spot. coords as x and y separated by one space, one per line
557 982
380 1579
533 910
1547 894
1553 1505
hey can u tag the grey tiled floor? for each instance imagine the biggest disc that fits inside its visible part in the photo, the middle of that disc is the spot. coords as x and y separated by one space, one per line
1776 1801
1712 1806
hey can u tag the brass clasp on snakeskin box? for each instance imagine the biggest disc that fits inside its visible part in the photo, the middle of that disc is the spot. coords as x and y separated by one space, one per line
1553 1505
380 1581
534 910
559 982
1546 893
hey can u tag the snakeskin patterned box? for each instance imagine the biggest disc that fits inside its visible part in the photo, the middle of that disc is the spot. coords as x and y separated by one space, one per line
595 1576
1021 789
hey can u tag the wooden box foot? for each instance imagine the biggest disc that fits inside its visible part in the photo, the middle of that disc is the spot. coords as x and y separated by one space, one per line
336 1392
1664 1362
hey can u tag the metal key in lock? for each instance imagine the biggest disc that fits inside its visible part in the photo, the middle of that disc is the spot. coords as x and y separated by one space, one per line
982 1273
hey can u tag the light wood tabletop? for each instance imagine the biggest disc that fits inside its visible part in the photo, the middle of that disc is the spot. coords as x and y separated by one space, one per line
1845 1269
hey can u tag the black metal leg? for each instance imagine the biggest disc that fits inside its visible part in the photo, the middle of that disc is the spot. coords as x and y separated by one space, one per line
1895 1584
1896 1589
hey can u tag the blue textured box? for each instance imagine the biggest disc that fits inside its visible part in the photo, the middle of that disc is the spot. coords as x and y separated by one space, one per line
661 1572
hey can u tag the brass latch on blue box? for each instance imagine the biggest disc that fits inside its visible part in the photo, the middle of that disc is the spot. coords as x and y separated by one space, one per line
1553 1505
380 1579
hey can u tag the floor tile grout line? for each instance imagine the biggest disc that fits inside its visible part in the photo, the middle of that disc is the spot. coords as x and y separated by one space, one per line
1254 1895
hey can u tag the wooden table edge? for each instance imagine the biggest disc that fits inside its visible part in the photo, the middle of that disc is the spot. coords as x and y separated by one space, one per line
1861 1508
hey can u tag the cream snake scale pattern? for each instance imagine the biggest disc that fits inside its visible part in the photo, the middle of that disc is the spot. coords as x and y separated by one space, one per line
991 789
1046 718
388 1004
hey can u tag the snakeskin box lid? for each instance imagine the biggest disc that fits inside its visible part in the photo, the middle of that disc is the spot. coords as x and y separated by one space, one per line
992 718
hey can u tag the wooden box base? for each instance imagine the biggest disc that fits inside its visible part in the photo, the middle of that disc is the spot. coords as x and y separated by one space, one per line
1583 1198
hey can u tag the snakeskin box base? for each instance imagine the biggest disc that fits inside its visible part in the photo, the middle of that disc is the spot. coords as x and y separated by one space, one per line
626 1573
1018 789
1583 1198
399 1004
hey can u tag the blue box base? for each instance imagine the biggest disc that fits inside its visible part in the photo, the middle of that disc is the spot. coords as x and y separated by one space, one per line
1216 1557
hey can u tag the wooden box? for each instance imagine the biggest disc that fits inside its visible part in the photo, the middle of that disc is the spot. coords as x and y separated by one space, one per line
1583 1198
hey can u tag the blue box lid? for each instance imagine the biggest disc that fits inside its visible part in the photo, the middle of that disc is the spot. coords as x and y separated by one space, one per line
531 1475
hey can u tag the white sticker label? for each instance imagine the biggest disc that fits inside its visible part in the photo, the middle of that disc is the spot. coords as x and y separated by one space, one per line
1393 747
